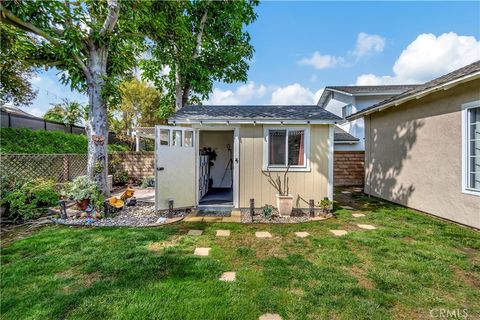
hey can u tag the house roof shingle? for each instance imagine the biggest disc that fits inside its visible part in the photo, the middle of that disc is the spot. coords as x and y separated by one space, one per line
383 89
341 135
470 69
253 112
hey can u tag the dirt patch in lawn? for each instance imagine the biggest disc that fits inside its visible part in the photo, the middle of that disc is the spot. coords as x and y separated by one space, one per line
465 277
82 281
160 245
359 274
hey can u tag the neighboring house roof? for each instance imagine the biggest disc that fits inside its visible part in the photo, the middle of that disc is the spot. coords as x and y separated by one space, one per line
467 73
254 113
16 111
364 91
342 136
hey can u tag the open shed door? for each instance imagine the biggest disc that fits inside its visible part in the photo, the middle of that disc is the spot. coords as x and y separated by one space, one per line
175 168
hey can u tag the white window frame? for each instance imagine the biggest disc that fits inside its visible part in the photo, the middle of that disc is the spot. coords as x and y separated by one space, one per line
306 149
466 147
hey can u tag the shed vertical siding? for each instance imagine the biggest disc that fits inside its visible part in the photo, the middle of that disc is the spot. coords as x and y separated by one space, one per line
308 185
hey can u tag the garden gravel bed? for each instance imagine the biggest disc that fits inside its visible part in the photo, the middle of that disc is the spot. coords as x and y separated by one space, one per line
297 216
141 215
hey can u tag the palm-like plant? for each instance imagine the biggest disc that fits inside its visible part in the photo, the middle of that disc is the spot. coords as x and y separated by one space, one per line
67 112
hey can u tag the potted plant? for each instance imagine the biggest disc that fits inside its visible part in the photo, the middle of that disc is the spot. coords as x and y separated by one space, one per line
83 192
284 198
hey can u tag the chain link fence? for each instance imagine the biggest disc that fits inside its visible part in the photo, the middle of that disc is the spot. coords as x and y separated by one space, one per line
60 167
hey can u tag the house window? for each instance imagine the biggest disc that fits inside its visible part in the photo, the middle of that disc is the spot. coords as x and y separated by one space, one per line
471 148
285 147
346 110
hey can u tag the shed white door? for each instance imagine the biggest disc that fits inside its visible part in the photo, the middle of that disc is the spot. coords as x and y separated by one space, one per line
175 167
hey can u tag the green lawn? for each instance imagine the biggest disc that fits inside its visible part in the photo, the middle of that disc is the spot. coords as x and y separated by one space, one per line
411 264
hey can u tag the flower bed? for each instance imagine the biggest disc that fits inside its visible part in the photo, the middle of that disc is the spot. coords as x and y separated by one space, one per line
143 214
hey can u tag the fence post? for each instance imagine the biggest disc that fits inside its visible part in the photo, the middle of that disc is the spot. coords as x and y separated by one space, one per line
66 167
44 125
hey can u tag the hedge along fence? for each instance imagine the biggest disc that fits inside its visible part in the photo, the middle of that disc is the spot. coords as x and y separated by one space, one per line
66 167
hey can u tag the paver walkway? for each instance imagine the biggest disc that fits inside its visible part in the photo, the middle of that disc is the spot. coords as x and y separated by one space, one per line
223 233
263 234
195 232
228 276
270 316
366 226
235 216
302 234
358 215
203 252
339 233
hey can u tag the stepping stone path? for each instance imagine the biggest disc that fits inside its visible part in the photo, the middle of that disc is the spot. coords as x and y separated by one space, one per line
270 316
195 232
339 233
228 276
223 233
302 234
346 207
203 252
346 192
263 234
366 226
358 215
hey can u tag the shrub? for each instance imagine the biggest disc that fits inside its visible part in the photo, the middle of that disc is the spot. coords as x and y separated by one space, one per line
29 200
148 182
22 140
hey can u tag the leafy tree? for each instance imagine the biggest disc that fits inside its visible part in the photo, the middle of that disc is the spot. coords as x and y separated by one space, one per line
95 43
67 112
14 71
205 42
140 106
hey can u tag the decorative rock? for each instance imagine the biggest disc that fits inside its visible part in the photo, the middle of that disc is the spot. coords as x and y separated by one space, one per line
195 232
270 316
366 226
339 233
228 276
302 234
223 233
203 252
263 234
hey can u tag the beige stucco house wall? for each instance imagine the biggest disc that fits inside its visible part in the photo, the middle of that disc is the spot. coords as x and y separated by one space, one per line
414 155
311 184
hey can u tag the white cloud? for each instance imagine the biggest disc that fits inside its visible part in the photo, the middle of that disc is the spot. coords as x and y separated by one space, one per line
428 57
368 44
320 61
242 95
295 94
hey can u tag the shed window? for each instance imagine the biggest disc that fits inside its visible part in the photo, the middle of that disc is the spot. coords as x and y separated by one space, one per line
286 147
473 149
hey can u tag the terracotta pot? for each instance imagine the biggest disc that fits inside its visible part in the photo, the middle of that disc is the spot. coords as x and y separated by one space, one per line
83 204
284 205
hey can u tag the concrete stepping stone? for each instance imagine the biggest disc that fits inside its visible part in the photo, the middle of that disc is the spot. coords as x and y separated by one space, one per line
203 252
223 233
263 234
366 226
339 233
228 277
195 232
346 207
302 234
358 215
346 192
270 316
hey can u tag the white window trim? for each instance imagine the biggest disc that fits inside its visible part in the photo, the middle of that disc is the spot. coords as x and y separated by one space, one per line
465 146
306 148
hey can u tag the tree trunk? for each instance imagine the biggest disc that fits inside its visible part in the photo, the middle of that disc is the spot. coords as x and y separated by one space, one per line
97 124
178 90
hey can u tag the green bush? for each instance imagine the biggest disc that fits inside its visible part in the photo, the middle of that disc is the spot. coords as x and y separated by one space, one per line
37 141
29 200
148 182
81 188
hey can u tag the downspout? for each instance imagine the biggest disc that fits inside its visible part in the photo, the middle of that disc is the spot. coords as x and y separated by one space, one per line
370 153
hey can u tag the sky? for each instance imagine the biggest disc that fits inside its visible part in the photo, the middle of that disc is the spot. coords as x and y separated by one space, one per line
301 47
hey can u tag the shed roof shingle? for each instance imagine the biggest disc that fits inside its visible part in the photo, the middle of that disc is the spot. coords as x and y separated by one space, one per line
454 75
253 112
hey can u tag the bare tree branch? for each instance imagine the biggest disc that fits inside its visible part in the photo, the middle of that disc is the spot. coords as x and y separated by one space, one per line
112 16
